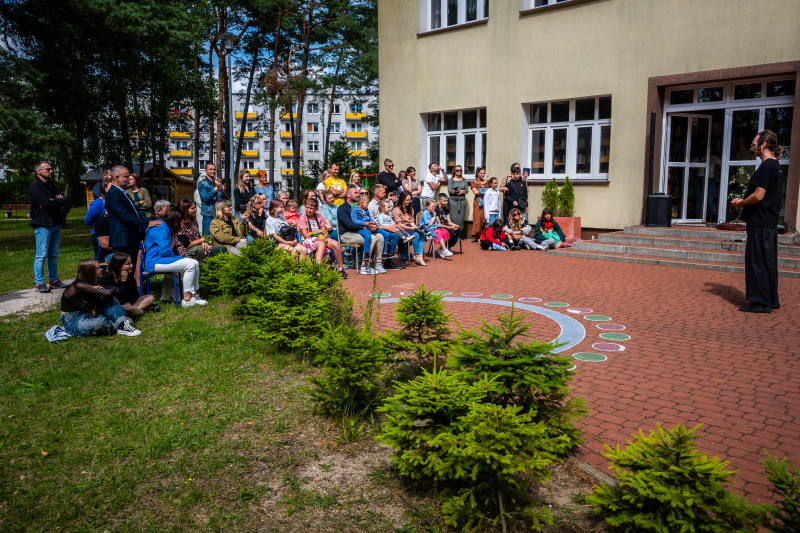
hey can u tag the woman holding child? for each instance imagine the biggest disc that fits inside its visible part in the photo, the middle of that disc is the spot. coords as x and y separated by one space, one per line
547 233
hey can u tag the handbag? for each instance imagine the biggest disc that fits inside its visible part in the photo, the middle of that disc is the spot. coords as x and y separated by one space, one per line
287 233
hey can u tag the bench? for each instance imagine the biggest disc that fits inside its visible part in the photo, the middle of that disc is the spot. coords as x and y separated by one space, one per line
9 209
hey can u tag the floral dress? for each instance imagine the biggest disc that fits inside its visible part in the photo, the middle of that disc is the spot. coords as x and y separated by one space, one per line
315 227
192 232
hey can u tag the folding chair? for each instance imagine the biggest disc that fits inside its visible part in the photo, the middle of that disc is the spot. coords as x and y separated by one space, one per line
177 277
354 248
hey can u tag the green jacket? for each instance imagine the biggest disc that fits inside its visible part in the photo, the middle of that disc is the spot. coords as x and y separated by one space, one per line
538 233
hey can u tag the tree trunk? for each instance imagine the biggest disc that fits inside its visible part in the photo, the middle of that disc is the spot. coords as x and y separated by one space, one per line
246 106
301 97
212 145
502 511
196 143
295 159
272 146
74 191
330 109
221 99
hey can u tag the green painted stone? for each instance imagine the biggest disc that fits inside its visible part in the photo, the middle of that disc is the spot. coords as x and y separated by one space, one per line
597 318
556 304
590 357
502 296
442 293
615 336
380 295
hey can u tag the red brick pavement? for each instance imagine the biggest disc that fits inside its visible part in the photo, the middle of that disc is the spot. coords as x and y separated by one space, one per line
693 357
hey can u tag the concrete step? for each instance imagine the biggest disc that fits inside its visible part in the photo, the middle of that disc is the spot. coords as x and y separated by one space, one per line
693 232
683 254
646 260
680 242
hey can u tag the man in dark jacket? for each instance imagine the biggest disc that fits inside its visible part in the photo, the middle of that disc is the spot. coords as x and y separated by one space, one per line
353 233
515 192
46 204
388 177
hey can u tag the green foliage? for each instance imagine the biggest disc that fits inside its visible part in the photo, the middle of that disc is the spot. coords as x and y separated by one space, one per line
784 517
424 332
666 485
528 374
351 365
213 272
566 199
550 196
422 409
499 444
340 153
251 266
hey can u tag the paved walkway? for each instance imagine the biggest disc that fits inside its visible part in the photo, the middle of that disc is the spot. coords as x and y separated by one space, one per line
692 357
26 301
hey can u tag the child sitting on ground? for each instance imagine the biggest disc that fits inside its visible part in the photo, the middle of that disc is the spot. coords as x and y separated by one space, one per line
494 238
551 233
291 215
385 219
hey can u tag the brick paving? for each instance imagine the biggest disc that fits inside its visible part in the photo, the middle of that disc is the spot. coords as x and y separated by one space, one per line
693 357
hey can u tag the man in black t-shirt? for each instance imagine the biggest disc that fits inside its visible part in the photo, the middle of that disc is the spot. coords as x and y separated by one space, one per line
388 178
760 210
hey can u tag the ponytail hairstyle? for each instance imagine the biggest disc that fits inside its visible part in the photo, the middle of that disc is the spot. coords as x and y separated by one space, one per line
771 138
87 273
497 229
248 212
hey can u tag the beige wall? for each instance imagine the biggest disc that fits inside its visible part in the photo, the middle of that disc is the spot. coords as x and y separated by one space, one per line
593 48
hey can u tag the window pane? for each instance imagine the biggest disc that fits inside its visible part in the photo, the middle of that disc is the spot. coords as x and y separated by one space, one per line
451 121
483 151
675 189
744 130
483 118
780 88
450 142
452 13
710 94
559 112
538 113
436 14
677 139
681 97
738 178
435 122
605 148
469 154
779 120
472 13
584 109
748 90
559 151
605 108
469 119
537 151
434 151
699 147
485 8
584 155
697 193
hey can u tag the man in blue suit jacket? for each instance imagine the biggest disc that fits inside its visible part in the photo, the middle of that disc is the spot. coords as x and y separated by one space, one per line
127 227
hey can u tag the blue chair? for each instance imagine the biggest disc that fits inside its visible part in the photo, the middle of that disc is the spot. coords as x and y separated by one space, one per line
177 278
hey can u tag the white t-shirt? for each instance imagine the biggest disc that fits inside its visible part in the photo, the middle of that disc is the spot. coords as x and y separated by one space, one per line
273 225
429 187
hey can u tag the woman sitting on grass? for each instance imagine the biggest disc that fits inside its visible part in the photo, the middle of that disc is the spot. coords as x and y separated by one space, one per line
314 229
226 229
188 240
88 309
494 238
120 277
275 224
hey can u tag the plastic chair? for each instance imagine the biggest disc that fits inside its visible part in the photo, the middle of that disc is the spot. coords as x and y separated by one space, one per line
354 248
428 237
177 278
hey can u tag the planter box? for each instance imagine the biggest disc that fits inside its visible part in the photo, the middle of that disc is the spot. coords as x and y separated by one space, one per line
571 226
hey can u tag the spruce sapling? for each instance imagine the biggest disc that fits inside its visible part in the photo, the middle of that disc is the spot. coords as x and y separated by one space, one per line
550 196
566 199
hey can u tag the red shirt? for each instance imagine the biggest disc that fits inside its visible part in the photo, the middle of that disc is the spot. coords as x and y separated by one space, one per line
488 235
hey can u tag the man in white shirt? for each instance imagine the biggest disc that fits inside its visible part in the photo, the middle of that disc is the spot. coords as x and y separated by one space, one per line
432 181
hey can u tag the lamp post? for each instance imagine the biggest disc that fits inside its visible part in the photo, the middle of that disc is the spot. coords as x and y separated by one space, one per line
229 40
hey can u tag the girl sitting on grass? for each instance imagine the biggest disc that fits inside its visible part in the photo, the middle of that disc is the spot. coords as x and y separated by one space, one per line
120 276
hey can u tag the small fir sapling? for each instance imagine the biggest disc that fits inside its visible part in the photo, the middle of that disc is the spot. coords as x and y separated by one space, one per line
499 444
527 372
550 196
784 516
214 272
249 267
424 332
566 199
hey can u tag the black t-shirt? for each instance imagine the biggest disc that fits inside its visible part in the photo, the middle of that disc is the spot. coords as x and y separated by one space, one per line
233 228
258 221
766 212
390 180
102 227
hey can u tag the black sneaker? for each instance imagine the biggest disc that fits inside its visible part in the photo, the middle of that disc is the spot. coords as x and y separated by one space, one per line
343 273
391 265
155 308
127 329
42 288
58 284
755 308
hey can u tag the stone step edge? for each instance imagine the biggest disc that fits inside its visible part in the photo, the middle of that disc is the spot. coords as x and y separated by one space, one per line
717 256
664 262
676 231
620 239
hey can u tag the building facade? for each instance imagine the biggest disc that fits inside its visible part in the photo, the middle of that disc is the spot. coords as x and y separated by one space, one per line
347 121
567 87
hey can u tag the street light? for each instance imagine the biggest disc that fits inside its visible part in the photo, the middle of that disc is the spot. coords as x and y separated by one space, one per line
229 41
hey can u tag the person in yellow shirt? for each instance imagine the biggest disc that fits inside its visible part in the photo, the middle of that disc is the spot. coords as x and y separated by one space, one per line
336 185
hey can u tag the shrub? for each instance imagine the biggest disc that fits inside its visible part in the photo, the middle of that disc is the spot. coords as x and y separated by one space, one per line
424 332
785 516
214 270
550 196
527 374
421 409
666 485
566 199
498 444
249 266
351 364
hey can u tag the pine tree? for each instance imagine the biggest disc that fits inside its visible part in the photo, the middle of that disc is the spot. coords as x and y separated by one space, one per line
550 196
528 373
566 199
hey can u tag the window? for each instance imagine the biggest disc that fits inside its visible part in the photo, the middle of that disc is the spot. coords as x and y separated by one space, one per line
249 165
182 145
533 4
313 127
313 108
447 13
289 164
266 145
457 138
356 145
249 109
335 127
570 138
182 164
374 129
287 145
248 145
355 108
313 146
249 126
336 110
356 126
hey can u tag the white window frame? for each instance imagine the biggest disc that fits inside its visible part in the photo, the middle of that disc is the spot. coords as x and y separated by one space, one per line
182 163
336 127
426 7
356 146
313 146
572 126
459 133
266 145
336 109
356 127
313 127
313 108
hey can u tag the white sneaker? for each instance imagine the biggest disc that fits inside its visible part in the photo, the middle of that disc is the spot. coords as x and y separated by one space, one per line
443 254
379 269
409 238
127 329
418 260
198 300
190 303
367 270
449 253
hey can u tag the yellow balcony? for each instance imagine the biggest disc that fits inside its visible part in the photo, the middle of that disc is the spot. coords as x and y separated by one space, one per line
249 115
249 153
285 116
250 134
290 153
286 134
180 134
286 171
181 153
182 171
355 116
358 153
356 134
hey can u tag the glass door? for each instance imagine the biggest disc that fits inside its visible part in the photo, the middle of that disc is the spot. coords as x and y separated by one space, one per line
687 166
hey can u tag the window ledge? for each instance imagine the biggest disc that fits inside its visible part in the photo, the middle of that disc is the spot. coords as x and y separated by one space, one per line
453 28
576 181
550 7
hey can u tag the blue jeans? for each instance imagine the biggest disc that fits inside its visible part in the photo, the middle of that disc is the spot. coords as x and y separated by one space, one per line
389 242
207 225
367 234
110 315
47 241
492 218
